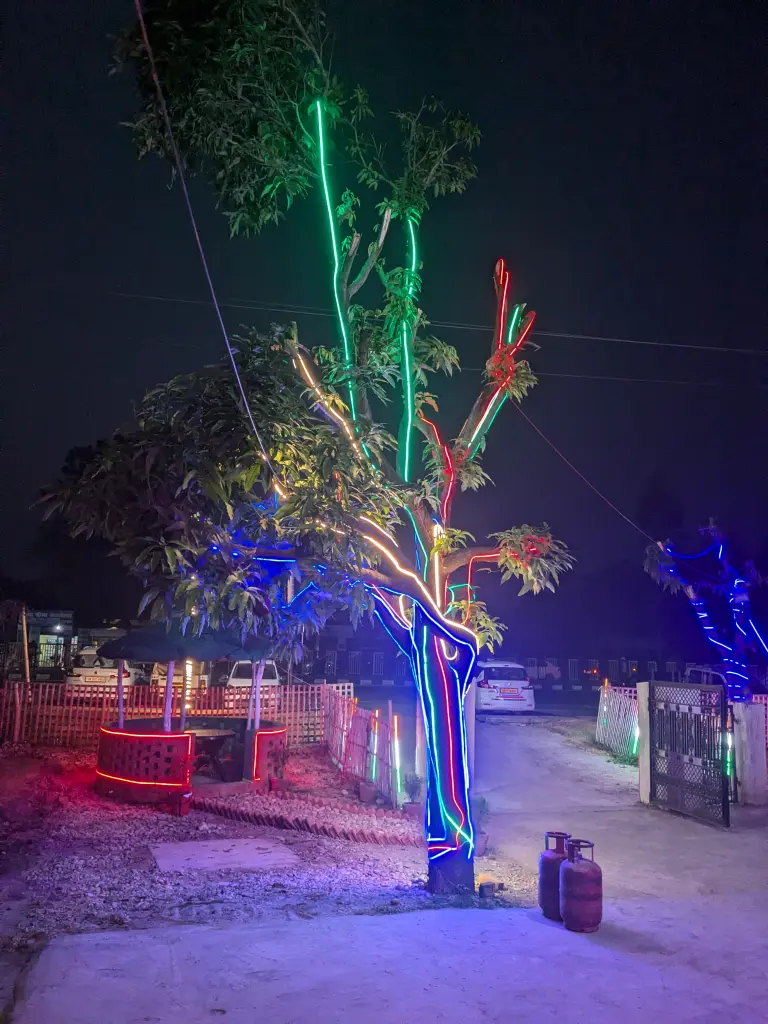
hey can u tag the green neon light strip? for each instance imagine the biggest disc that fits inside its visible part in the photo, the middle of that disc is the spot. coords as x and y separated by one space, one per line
336 265
514 320
407 367
485 415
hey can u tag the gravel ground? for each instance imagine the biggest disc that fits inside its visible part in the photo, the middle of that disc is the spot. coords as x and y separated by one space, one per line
74 862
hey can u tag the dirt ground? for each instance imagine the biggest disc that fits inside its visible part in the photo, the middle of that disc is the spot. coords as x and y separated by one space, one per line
73 862
683 936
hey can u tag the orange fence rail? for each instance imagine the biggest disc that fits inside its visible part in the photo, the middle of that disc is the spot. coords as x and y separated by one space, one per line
362 744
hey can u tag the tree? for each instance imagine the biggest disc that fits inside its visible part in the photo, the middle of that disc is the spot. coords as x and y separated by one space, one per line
724 581
214 517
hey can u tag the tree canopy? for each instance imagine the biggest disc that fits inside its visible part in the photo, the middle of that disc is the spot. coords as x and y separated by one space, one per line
215 512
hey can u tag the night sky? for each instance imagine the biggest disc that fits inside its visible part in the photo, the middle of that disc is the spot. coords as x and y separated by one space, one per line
620 176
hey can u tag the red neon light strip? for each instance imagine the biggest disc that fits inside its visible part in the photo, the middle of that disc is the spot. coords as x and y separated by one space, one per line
262 732
448 462
525 332
502 282
476 558
451 482
164 736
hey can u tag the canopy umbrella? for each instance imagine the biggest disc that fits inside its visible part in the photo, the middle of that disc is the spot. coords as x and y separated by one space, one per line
158 644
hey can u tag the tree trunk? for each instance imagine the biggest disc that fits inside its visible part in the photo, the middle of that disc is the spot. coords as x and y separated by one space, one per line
168 706
442 683
254 697
120 695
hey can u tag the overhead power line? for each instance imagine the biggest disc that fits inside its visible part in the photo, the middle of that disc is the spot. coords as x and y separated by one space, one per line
193 222
581 476
280 307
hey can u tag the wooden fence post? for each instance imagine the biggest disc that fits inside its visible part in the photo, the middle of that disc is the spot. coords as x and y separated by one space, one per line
644 742
25 642
16 712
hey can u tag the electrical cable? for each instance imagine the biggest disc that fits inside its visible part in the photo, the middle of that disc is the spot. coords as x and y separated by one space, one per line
579 474
284 307
193 221
314 311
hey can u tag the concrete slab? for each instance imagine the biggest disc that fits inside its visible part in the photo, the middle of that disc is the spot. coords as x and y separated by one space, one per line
223 855
651 960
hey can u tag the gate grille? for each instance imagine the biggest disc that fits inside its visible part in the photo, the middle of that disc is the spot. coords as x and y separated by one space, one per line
689 755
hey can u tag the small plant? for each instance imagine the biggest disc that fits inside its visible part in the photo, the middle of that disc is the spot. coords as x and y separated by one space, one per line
480 812
413 786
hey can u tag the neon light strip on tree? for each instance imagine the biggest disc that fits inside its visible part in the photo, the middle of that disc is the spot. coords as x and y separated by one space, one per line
346 341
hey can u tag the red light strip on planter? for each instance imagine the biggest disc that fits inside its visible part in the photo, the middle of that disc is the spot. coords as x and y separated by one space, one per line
262 732
138 782
164 736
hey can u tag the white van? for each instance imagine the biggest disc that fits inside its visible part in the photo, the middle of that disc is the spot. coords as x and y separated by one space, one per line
88 667
503 686
239 673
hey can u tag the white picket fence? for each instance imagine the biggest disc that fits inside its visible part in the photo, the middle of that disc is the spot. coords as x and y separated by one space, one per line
63 715
617 721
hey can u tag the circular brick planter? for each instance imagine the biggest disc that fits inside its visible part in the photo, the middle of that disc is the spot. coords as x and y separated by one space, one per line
142 764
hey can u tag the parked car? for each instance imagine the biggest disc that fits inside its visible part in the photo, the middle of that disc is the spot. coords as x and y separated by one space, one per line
503 686
88 667
239 673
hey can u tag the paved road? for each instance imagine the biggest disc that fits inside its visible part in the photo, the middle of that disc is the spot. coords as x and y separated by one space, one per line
576 705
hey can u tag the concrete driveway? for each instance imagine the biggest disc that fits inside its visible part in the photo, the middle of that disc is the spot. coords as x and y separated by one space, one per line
536 779
683 939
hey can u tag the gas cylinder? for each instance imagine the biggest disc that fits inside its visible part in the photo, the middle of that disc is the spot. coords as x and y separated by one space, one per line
549 874
581 888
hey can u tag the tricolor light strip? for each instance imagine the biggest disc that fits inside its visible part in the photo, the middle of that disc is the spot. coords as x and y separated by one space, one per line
422 657
336 265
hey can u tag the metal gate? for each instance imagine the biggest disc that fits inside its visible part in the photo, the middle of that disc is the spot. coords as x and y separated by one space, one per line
690 754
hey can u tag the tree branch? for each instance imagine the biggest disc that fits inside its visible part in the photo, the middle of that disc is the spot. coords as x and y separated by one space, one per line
470 434
347 268
457 559
373 255
392 623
